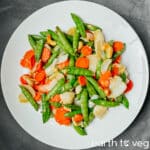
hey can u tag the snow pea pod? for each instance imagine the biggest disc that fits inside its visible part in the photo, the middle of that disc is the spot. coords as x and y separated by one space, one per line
39 48
76 40
84 104
45 109
66 45
90 89
72 106
96 86
79 24
98 69
105 103
78 71
38 37
44 33
80 130
92 27
53 35
72 113
29 97
32 42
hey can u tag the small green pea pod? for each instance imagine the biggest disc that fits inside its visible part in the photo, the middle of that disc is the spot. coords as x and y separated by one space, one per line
38 37
96 86
91 116
90 89
72 106
32 42
69 37
44 33
53 35
92 27
56 89
78 71
39 48
124 77
73 113
29 97
84 104
68 48
45 109
76 40
105 103
80 130
125 101
79 24
98 69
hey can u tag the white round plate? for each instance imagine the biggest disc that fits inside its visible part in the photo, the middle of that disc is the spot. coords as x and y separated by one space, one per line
114 27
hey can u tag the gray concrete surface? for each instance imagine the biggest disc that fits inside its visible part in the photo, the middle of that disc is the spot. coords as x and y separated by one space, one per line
13 12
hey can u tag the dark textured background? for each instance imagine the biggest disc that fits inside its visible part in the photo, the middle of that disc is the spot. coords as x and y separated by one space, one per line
13 12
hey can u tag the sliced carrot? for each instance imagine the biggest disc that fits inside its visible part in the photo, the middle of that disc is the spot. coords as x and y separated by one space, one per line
115 70
104 79
63 64
86 50
39 66
28 60
118 46
118 60
28 63
82 80
78 117
60 118
129 86
82 62
38 96
40 76
22 80
56 98
29 54
46 54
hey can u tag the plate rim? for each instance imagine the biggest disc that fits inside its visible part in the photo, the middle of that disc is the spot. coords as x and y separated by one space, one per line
82 1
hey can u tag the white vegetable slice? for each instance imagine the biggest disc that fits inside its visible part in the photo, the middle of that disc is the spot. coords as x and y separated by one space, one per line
94 97
105 65
117 87
47 87
62 58
78 89
91 104
93 61
98 43
77 102
67 97
99 111
51 69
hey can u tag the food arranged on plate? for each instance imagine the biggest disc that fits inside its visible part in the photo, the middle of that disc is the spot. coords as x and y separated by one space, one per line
74 76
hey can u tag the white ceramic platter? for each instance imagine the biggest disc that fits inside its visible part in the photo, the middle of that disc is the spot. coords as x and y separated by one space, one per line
114 27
